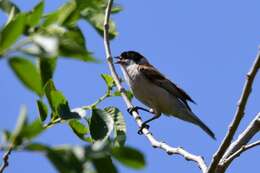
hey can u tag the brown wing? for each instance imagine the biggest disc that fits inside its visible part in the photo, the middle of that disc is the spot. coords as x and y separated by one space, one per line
157 78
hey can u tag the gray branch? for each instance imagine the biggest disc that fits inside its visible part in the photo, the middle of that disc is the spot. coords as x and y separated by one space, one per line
239 151
237 117
155 143
5 158
245 136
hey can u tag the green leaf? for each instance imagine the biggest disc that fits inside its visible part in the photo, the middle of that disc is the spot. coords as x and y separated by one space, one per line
93 12
72 44
11 32
64 13
108 79
54 97
129 157
116 9
49 86
6 136
58 103
43 110
101 124
129 94
36 147
65 160
16 138
97 21
33 17
79 129
104 165
119 125
32 130
7 6
27 72
47 68
72 19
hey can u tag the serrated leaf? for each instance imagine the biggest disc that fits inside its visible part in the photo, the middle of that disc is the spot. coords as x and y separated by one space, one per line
104 165
101 124
79 129
47 68
119 125
11 32
108 79
33 17
27 72
129 157
43 110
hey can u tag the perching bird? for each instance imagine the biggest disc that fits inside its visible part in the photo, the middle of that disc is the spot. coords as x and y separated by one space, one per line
156 91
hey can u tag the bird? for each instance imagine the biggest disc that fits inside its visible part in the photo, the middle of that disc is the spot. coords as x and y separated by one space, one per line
156 91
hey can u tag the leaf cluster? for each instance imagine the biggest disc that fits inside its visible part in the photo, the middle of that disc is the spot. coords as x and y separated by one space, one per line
32 42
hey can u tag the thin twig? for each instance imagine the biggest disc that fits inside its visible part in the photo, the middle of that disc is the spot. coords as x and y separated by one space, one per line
155 143
241 150
238 115
242 140
5 158
244 137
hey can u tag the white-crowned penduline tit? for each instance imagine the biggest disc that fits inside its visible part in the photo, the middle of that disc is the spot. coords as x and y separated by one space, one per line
156 91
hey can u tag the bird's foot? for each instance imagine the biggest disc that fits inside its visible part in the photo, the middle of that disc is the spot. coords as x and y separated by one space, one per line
132 109
144 125
136 108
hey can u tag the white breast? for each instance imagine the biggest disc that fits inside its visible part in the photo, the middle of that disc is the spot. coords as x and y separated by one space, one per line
150 94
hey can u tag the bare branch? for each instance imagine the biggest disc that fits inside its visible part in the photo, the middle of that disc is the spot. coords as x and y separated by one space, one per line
239 151
238 115
244 137
5 158
156 144
240 143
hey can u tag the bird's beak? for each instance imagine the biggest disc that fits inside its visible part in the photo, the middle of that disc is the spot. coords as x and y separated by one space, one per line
119 61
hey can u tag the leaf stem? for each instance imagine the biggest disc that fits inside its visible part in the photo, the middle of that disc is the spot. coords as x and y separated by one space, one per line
102 98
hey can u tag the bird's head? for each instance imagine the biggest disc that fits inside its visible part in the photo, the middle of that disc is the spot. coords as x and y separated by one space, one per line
131 57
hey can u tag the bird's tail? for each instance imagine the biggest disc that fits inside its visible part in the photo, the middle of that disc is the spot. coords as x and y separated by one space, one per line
204 127
195 120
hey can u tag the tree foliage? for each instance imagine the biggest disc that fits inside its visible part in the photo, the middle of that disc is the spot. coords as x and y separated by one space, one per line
32 42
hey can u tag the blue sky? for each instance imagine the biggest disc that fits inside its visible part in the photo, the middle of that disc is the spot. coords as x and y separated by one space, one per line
206 47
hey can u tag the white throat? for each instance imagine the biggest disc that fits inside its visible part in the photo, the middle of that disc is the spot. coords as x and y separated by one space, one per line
130 72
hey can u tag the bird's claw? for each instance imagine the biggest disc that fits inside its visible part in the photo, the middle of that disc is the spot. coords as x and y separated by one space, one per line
132 109
144 125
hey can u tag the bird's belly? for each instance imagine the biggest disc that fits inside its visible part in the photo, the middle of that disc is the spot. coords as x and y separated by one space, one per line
155 97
